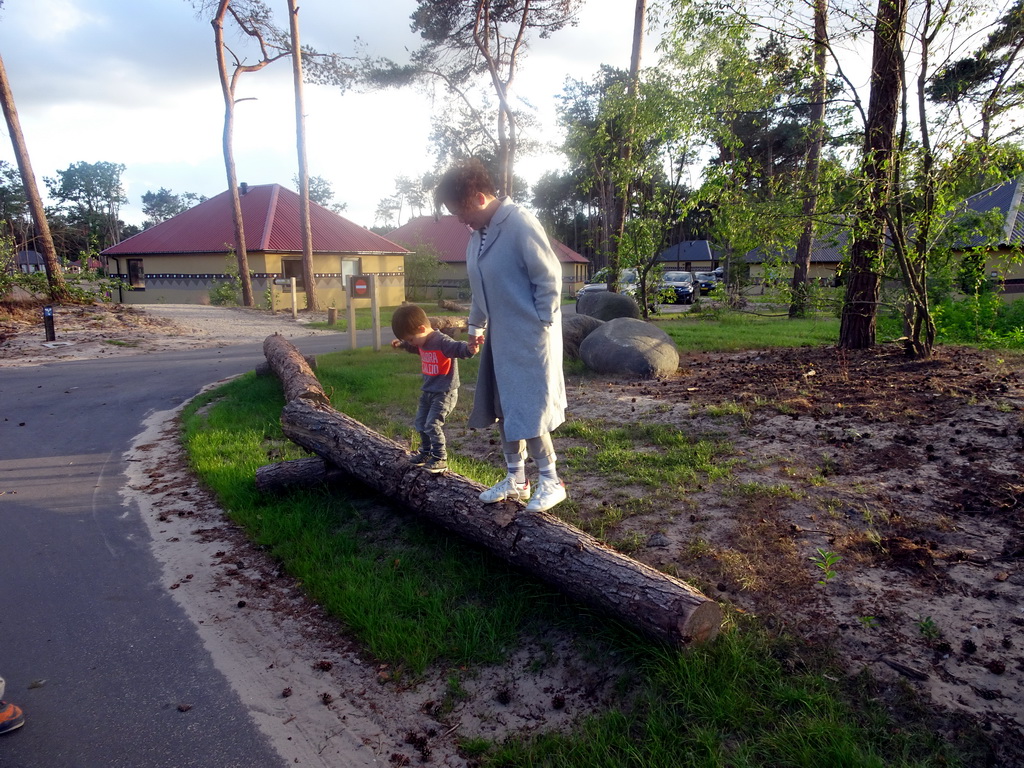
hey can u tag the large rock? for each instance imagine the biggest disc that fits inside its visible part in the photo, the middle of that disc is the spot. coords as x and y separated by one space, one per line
575 328
605 305
628 347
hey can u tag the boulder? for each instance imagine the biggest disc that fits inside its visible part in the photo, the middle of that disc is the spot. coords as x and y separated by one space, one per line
628 347
605 305
575 328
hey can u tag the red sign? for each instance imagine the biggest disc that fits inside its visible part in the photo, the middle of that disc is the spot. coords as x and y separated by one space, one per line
360 286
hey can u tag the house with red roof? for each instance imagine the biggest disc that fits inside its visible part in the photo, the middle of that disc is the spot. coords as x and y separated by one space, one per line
180 260
447 238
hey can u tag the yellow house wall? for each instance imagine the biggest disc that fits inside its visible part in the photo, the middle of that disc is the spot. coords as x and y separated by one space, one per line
1011 275
816 272
188 278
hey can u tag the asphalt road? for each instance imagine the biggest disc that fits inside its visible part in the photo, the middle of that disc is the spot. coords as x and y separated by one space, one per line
92 646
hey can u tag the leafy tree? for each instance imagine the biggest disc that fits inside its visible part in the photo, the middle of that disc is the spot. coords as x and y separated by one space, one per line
165 204
253 18
422 267
989 79
14 211
467 42
321 192
857 325
91 194
812 167
594 132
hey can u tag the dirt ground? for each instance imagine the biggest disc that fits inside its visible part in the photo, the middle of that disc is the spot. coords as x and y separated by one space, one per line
911 472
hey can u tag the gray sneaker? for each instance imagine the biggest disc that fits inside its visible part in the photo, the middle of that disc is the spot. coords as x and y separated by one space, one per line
506 489
436 465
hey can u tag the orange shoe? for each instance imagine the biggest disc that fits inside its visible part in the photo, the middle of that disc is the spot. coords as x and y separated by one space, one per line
11 717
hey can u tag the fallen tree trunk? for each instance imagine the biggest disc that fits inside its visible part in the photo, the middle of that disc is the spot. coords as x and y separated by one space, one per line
577 564
296 375
297 473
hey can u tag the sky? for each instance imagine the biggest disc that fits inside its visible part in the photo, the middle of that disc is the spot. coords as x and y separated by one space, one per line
135 82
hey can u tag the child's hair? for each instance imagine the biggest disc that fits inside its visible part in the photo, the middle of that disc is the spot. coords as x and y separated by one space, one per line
407 319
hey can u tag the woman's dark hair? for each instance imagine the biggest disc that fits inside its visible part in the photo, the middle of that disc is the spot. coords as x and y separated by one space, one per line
407 319
462 181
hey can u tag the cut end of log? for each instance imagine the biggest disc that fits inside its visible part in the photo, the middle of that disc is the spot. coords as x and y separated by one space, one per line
702 624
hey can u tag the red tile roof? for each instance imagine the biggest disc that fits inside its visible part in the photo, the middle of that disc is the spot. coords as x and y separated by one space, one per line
270 216
450 238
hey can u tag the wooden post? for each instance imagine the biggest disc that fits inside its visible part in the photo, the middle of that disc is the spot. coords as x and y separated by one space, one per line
375 312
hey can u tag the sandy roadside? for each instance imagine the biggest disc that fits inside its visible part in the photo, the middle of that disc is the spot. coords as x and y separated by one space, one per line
110 331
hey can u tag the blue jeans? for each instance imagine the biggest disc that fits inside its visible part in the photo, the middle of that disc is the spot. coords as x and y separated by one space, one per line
433 410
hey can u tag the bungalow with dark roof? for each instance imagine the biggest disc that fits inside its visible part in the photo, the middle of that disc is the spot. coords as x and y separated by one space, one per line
180 260
827 254
29 261
689 256
1003 261
448 238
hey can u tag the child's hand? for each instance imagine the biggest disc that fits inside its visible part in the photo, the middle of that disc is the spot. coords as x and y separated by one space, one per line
396 343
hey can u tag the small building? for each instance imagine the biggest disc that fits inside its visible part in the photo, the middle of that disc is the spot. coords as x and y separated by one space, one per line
448 238
1003 258
29 261
689 256
827 252
180 261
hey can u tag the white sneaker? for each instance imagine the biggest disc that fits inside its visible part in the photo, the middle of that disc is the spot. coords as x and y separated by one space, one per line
506 489
549 493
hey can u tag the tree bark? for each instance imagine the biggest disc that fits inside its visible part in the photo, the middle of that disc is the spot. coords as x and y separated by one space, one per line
857 326
58 289
802 260
661 606
298 473
227 86
312 303
296 375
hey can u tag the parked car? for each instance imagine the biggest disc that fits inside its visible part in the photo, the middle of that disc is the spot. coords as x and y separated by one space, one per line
676 288
707 281
598 283
683 286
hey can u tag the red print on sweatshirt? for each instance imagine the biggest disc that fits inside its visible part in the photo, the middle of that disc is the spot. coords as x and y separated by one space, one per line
434 362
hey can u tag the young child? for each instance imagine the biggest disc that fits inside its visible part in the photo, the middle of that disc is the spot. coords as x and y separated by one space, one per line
439 355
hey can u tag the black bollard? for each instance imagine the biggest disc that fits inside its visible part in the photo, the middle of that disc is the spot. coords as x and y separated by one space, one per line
48 323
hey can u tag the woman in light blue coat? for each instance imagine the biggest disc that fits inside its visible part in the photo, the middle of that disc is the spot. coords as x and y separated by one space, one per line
516 282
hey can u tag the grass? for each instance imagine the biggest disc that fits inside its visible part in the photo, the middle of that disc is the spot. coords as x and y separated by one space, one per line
736 703
734 332
417 598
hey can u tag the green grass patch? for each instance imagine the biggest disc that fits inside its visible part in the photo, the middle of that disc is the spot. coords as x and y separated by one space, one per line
734 332
654 455
746 701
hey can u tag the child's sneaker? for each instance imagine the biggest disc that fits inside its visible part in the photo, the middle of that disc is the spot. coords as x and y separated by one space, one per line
549 493
436 465
419 458
11 717
506 489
